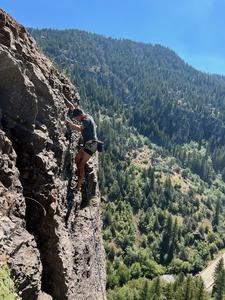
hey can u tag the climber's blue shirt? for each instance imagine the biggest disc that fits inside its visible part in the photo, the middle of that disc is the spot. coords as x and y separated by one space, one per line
89 131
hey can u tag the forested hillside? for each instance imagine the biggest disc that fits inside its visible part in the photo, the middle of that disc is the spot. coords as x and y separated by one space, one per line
164 169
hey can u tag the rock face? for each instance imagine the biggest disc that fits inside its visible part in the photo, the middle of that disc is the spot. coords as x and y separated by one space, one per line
48 257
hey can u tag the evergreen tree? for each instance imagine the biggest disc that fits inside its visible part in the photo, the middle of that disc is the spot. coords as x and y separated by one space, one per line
173 244
145 294
188 289
217 213
166 239
201 295
169 292
219 281
156 289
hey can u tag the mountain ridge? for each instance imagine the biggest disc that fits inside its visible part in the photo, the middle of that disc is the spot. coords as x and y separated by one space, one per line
165 210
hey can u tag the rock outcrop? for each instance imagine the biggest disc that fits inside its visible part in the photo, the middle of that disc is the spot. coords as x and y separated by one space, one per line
48 257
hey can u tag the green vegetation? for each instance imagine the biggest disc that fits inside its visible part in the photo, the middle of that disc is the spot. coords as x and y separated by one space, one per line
143 289
164 169
219 281
7 289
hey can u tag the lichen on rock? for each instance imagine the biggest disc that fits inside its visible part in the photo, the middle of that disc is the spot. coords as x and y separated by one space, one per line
7 288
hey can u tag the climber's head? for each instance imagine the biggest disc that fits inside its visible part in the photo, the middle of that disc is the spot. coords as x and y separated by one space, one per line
78 114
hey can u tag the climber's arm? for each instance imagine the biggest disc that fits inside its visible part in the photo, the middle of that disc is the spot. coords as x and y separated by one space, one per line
70 105
77 128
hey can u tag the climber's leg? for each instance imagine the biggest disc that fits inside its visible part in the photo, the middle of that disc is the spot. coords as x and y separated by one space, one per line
79 156
81 168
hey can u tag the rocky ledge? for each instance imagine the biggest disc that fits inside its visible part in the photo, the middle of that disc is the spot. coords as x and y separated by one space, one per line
48 257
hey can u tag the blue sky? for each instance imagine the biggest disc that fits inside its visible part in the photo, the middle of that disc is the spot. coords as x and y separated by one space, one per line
194 29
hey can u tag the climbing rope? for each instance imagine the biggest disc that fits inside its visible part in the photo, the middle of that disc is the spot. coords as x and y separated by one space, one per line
32 199
96 254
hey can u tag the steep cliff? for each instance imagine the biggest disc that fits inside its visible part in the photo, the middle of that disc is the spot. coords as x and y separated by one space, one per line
37 173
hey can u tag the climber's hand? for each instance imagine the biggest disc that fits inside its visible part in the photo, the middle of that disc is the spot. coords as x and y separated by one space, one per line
70 105
67 121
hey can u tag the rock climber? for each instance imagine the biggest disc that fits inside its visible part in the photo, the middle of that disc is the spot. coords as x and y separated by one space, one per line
87 128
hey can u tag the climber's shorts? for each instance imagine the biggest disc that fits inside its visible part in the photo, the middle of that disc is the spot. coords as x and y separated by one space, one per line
90 147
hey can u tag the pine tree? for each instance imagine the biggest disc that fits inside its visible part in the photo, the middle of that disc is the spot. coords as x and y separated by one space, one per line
217 213
219 281
201 295
145 291
156 225
173 243
168 192
169 292
188 290
166 239
156 288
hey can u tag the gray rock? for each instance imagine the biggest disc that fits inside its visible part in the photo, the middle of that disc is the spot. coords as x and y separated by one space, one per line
44 296
48 259
15 242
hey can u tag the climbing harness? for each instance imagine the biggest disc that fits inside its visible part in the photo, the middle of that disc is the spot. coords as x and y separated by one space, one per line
32 199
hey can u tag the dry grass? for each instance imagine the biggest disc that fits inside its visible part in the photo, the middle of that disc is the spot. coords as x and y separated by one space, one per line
143 158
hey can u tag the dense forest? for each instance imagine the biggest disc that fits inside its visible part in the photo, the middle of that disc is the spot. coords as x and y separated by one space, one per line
163 170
